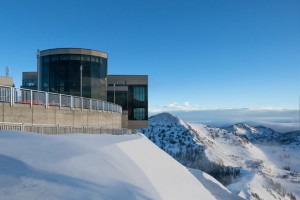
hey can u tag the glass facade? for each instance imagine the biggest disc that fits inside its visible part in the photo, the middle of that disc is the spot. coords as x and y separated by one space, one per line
134 100
60 73
29 80
120 98
138 102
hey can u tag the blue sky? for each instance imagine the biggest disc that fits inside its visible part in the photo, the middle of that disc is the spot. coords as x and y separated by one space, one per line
203 54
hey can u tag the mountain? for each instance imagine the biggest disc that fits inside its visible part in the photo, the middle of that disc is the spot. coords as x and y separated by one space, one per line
264 135
90 166
182 142
253 134
252 162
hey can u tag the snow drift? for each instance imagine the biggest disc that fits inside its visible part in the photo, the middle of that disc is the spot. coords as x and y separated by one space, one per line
81 166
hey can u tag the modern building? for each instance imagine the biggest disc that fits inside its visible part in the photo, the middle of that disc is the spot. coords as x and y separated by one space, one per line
73 71
83 72
131 92
29 80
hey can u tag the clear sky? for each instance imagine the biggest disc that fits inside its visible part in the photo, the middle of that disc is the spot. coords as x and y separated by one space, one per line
202 54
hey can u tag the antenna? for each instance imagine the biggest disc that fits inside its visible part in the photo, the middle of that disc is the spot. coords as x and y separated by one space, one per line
7 71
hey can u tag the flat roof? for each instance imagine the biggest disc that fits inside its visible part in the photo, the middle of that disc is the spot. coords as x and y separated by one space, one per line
82 51
129 79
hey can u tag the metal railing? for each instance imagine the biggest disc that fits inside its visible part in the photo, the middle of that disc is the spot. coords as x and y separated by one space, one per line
14 95
60 129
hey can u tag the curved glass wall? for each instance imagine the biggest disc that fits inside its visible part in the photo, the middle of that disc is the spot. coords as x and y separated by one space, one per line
60 73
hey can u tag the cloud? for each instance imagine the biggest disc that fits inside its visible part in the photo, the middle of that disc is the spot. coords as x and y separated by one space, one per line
186 106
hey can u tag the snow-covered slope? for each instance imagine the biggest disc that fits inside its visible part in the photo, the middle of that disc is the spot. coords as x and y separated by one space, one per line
258 165
82 166
253 134
263 135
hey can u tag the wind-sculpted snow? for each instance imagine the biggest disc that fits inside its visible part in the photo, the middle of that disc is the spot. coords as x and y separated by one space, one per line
94 167
258 162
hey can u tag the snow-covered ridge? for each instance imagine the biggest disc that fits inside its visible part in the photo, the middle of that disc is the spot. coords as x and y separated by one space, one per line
261 134
167 118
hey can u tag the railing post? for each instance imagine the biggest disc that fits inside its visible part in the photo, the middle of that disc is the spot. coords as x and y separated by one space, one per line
31 98
72 103
11 96
91 104
81 100
57 129
102 105
97 105
46 100
59 101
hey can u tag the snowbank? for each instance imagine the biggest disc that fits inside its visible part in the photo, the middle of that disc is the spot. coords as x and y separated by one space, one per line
80 166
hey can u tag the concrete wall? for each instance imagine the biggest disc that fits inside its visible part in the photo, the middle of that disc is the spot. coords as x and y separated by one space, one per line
137 124
125 119
21 113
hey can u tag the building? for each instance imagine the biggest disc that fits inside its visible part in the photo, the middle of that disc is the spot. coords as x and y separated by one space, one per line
83 72
29 80
73 71
5 92
131 92
6 81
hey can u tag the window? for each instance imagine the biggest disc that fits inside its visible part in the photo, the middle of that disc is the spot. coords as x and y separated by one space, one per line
45 59
120 98
85 58
139 93
95 59
29 84
64 57
54 58
139 114
137 102
75 57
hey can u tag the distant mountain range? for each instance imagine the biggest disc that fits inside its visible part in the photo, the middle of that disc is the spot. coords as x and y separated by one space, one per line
252 162
261 134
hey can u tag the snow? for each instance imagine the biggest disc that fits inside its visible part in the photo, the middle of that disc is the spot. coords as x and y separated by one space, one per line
262 164
219 191
83 166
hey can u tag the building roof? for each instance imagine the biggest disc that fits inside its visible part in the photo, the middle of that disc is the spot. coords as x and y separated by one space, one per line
83 51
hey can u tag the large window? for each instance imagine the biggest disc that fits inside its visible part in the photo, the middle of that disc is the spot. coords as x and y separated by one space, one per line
139 93
138 102
139 114
60 73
